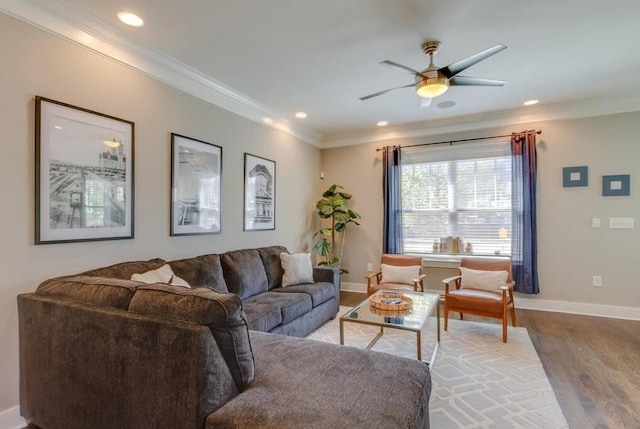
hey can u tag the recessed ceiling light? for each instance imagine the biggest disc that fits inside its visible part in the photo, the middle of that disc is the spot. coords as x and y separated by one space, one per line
130 19
301 115
382 123
57 127
446 104
531 102
267 120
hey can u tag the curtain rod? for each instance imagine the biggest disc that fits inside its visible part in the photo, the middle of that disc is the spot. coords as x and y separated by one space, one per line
456 141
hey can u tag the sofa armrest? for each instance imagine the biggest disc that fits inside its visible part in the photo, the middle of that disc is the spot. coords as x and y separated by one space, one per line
87 366
329 275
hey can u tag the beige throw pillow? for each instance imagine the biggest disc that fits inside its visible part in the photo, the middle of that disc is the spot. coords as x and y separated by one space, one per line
164 274
483 280
399 274
297 268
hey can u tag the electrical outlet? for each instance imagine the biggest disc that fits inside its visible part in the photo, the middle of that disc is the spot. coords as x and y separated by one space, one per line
597 281
369 266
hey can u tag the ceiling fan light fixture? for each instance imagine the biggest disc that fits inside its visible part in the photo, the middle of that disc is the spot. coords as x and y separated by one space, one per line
432 87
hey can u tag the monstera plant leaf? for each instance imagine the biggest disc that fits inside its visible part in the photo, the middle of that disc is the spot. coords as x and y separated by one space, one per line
333 205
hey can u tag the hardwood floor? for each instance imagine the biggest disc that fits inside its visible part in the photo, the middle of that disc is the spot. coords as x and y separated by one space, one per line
593 364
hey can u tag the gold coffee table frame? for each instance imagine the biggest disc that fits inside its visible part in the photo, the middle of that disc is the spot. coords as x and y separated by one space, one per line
414 319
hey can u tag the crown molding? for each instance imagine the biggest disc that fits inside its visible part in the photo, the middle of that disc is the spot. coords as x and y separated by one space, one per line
68 22
583 108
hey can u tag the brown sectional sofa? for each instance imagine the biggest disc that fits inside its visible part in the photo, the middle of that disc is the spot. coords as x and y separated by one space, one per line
99 350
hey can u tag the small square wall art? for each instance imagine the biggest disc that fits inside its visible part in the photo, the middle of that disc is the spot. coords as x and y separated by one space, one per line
575 176
616 185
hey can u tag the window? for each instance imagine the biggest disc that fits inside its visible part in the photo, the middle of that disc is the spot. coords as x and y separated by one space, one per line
461 191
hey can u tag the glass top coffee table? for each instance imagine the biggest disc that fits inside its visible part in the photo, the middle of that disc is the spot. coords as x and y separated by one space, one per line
414 320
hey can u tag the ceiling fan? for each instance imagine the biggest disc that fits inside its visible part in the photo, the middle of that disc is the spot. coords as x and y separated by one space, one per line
433 81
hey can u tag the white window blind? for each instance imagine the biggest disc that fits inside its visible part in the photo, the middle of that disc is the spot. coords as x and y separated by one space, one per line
460 191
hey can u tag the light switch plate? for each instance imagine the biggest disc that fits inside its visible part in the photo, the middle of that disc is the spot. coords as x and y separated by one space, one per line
595 222
621 222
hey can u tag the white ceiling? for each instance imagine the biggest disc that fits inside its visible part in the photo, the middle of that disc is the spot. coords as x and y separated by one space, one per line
282 56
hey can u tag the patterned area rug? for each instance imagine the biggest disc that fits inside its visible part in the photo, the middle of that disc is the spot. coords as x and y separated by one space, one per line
478 381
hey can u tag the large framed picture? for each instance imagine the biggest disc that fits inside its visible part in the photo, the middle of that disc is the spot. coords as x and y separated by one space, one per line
259 193
84 174
196 179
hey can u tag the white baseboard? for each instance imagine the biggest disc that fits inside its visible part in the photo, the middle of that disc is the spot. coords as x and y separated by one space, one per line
11 419
586 309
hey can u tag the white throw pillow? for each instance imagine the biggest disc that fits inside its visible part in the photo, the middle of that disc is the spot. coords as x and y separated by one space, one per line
399 274
164 274
483 280
297 268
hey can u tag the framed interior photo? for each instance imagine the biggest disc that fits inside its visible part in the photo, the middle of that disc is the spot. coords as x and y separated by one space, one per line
84 174
196 179
259 193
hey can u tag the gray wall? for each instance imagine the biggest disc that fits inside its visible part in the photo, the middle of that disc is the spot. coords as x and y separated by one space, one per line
570 251
37 63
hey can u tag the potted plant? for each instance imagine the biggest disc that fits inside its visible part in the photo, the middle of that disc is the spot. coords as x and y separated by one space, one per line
333 207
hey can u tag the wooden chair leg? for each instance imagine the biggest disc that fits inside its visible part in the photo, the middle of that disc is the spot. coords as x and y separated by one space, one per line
461 316
504 327
446 316
513 316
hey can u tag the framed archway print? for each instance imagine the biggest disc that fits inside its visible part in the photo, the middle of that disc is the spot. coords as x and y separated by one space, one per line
259 193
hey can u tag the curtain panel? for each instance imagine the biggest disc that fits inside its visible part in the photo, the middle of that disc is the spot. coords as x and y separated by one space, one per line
392 224
524 240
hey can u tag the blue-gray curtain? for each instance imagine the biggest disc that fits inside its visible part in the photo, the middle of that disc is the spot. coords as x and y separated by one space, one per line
524 241
392 231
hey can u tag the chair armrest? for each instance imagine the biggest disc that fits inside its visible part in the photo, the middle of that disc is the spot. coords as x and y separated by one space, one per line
450 279
508 285
419 278
372 275
418 283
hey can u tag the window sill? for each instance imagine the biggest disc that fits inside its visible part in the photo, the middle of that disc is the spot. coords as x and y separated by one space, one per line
449 260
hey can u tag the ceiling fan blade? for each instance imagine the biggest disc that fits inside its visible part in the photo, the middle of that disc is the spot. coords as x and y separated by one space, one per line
366 97
475 81
400 66
425 102
455 68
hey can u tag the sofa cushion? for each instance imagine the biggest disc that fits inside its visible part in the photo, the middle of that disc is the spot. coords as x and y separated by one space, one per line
270 257
244 272
352 388
319 292
201 271
290 305
125 270
222 313
104 291
262 316
297 269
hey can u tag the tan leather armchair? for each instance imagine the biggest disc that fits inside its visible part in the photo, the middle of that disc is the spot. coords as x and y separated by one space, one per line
496 304
375 280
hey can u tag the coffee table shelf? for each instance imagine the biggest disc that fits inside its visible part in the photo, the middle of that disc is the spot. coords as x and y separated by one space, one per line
415 319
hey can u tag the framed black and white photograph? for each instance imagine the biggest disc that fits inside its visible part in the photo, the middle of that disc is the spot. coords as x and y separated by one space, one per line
259 193
84 174
196 183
